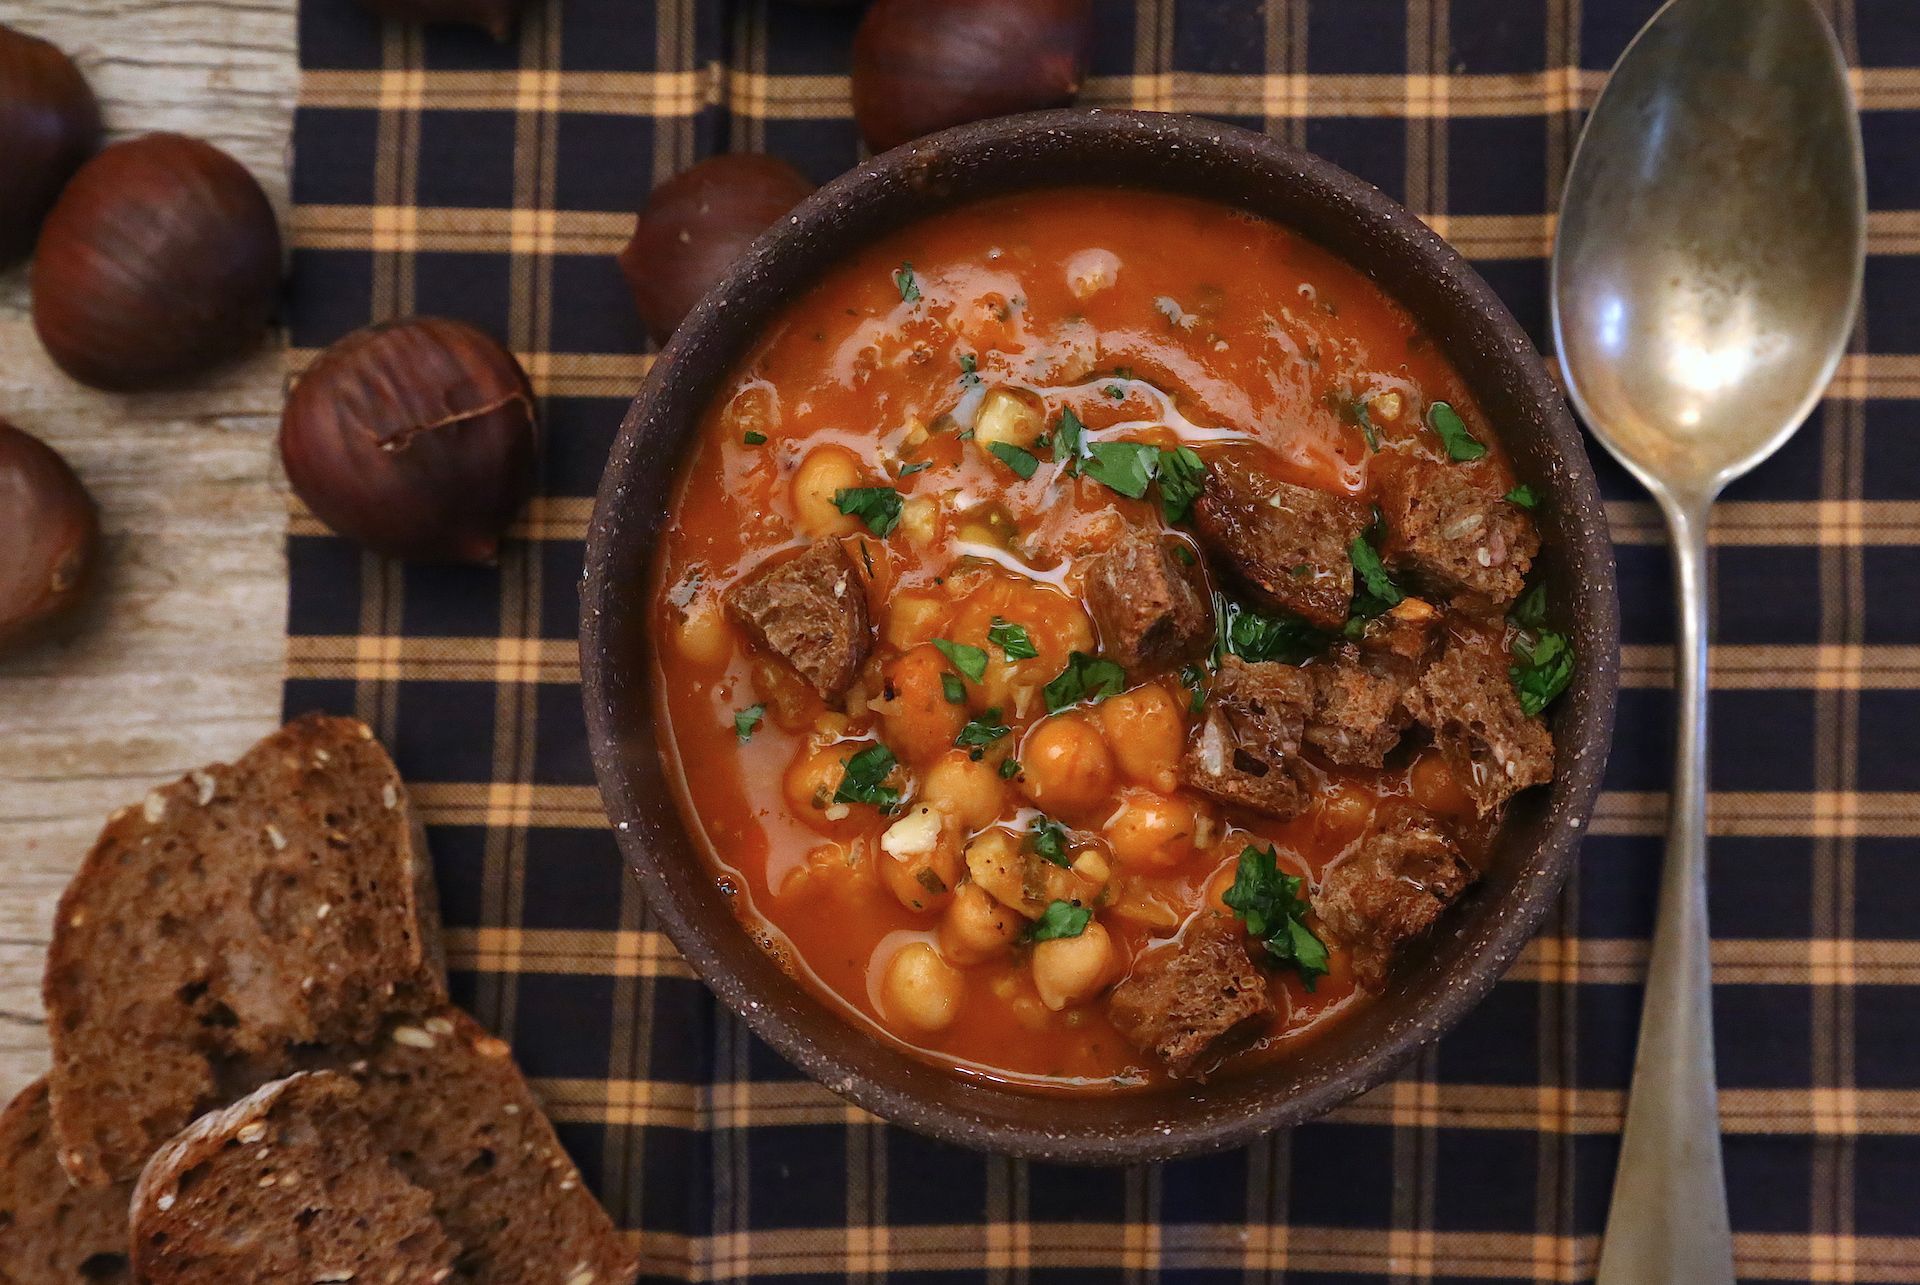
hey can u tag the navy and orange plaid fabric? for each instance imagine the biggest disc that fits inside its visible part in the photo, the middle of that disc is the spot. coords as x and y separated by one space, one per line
441 173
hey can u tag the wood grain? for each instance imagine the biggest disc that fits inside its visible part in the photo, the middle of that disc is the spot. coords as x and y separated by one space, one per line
178 660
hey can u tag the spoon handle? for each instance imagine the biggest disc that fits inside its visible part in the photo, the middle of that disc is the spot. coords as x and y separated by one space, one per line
1668 1221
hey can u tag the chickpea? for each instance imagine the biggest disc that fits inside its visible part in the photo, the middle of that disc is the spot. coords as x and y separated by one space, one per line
995 865
1069 970
912 618
977 928
1435 788
825 471
704 637
921 723
920 521
1151 832
1147 734
1344 811
1065 764
810 782
971 792
1008 417
921 883
921 989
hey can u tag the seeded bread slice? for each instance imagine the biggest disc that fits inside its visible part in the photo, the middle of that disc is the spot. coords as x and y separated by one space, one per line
287 1184
51 1232
233 917
446 1101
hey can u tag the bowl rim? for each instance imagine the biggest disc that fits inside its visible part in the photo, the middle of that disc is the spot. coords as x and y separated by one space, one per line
1525 905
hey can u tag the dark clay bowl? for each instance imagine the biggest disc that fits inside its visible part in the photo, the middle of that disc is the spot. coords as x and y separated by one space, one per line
1443 978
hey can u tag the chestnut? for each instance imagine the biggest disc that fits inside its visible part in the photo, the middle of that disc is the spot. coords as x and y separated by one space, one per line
418 438
49 124
495 17
695 225
51 533
160 260
922 65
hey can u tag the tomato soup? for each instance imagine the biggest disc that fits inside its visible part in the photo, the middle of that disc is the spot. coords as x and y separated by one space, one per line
1092 638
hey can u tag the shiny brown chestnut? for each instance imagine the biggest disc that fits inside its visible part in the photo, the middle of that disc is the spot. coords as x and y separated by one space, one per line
50 532
695 225
49 125
922 65
495 17
418 438
160 260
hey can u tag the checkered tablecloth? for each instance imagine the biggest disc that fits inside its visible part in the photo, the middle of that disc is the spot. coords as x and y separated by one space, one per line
445 174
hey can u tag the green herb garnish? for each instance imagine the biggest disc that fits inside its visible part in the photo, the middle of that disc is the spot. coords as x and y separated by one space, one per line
746 720
1252 635
1086 678
1180 476
908 470
1009 768
1048 838
953 689
1377 591
1116 392
969 371
1021 461
981 732
1060 919
1194 679
1545 669
1126 467
753 437
1268 901
877 506
1530 611
1523 496
1012 640
1070 441
965 657
904 282
862 780
1461 445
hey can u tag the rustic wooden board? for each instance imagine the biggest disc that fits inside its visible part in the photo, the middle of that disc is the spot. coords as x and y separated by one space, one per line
179 660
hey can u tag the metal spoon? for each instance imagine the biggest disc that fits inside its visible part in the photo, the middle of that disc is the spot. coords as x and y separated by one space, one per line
1705 276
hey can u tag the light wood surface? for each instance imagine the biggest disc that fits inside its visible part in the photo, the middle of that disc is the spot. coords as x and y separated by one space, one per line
178 662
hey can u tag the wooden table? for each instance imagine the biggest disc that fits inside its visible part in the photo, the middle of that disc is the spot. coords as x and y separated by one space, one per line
179 661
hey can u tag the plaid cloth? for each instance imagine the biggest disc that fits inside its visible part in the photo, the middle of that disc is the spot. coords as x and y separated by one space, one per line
444 174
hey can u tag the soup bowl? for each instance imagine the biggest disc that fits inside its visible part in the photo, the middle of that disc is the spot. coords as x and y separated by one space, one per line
1442 976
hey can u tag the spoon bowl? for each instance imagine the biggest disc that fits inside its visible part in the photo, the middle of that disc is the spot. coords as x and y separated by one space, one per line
1708 261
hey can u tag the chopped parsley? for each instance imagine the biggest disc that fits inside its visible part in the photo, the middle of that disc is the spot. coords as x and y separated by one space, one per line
1021 461
863 779
1523 496
965 657
1011 639
1070 441
1376 591
908 470
1060 919
746 720
877 506
1086 678
1270 903
953 689
969 371
1194 679
1009 768
753 437
1252 635
1181 474
981 732
1546 657
1116 392
1530 612
1048 838
1461 445
904 282
1126 467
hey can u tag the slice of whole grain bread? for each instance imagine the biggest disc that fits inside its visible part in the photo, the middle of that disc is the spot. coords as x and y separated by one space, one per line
453 1111
51 1232
287 1184
233 917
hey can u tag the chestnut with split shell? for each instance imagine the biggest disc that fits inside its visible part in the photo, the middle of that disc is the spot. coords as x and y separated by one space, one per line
922 65
49 125
695 225
418 438
49 538
160 260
